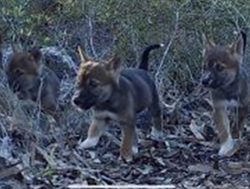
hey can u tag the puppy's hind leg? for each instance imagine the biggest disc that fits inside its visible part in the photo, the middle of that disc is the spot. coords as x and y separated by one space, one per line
128 146
238 126
155 110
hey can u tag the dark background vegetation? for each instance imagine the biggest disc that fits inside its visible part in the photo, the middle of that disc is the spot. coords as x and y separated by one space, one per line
126 27
123 27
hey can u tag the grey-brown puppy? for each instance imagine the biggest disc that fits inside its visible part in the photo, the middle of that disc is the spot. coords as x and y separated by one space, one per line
118 95
228 80
30 79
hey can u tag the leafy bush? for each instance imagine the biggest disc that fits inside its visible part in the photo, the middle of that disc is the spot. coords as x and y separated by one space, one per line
125 27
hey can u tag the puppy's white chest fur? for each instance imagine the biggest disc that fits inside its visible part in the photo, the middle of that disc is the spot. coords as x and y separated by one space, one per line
228 103
106 114
232 103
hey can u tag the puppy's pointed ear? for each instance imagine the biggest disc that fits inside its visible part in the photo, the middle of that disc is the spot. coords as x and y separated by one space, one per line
36 54
207 44
114 64
83 57
114 67
238 47
15 48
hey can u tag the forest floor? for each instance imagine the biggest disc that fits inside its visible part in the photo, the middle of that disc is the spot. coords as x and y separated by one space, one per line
37 153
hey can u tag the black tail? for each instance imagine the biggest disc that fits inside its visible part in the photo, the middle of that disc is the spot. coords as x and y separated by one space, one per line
1 53
244 37
145 55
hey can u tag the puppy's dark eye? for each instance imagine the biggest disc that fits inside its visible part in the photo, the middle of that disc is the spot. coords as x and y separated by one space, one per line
219 67
93 83
205 67
16 87
208 64
18 72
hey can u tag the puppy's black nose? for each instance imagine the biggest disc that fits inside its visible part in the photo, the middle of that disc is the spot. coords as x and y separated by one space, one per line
76 100
205 82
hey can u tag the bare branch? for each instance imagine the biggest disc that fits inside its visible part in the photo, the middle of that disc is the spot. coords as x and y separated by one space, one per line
91 38
159 70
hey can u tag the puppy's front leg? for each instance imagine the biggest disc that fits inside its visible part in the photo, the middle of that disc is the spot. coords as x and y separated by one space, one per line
95 131
222 123
227 144
128 139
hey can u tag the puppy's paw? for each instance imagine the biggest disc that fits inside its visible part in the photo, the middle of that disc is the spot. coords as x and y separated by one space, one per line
88 143
126 159
126 155
229 147
135 149
156 134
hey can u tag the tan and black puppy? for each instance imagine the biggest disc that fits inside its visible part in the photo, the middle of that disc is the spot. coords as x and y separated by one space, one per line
118 95
29 79
229 83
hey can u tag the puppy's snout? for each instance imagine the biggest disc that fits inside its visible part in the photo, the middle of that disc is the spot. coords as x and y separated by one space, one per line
76 100
206 80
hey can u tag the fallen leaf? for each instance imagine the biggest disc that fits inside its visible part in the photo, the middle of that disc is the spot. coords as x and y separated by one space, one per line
200 168
196 130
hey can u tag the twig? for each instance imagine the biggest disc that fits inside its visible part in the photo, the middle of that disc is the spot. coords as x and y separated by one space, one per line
79 158
165 53
108 49
134 42
177 16
113 138
104 177
159 70
91 38
2 127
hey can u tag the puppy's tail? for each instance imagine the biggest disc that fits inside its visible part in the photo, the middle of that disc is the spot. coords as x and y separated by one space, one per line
1 53
145 55
244 37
